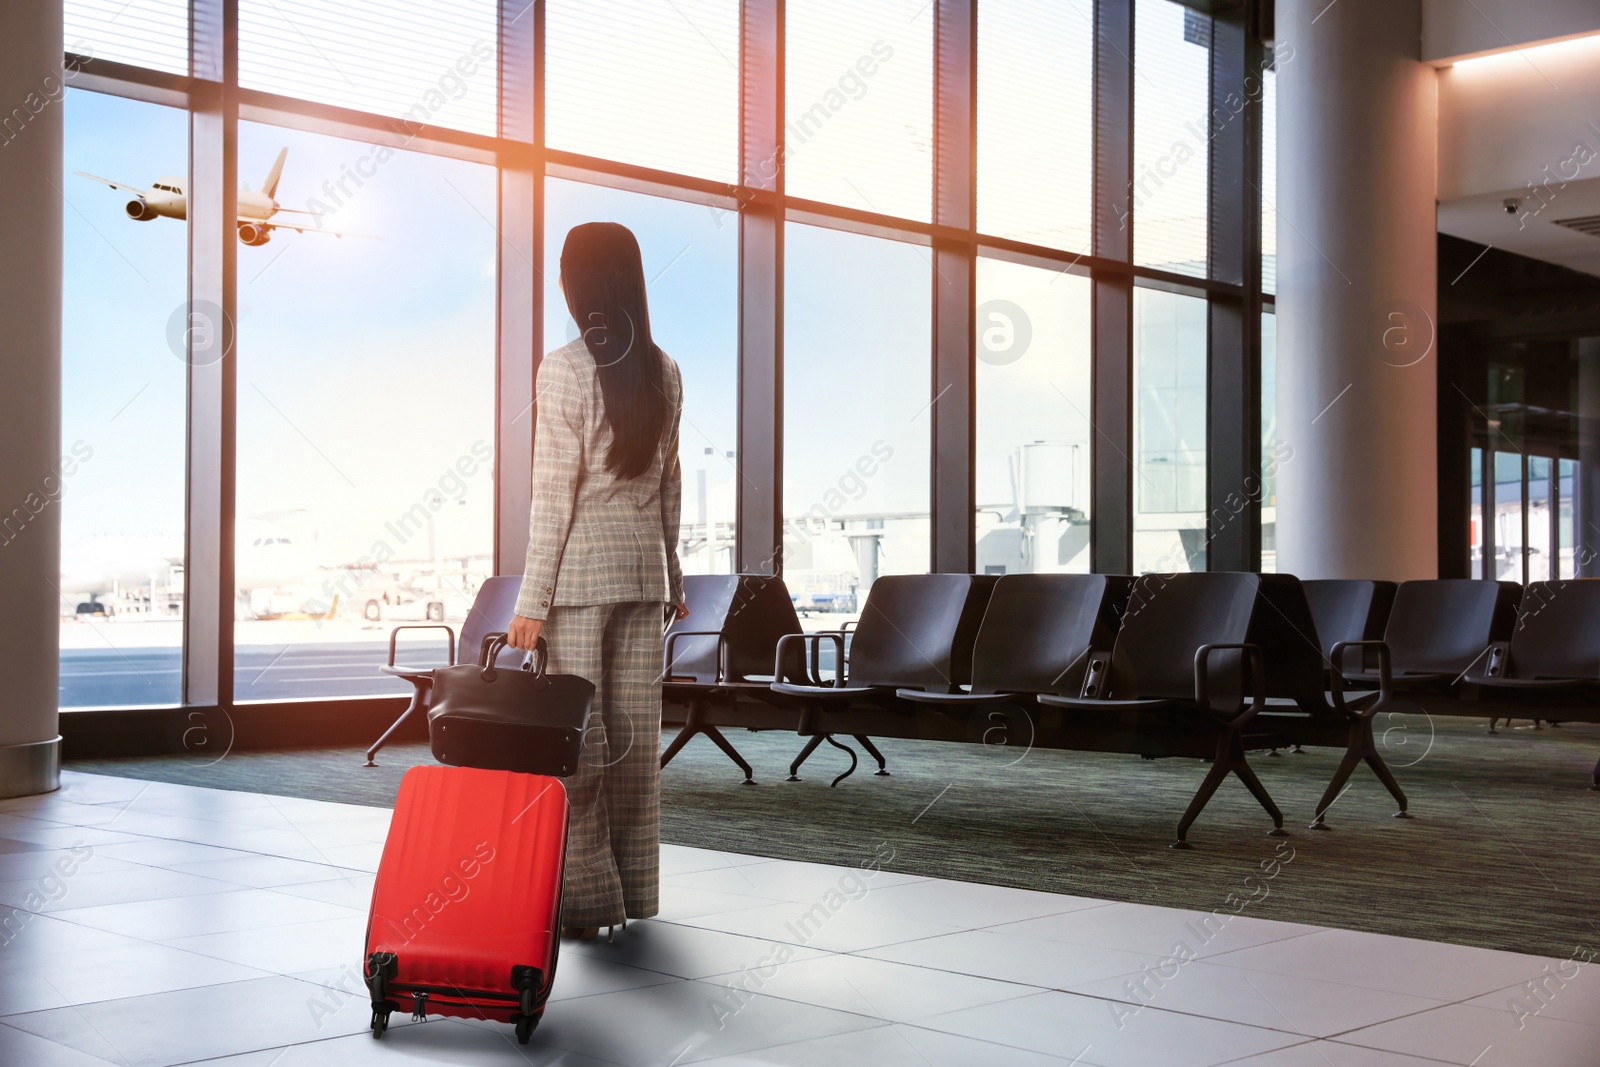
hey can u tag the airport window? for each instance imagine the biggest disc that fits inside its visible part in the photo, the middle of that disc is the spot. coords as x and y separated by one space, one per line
1034 440
120 485
691 264
856 426
1274 453
1269 181
1542 561
366 414
1475 529
367 367
666 93
1035 136
425 62
144 33
1566 485
1171 116
859 102
1169 416
1509 523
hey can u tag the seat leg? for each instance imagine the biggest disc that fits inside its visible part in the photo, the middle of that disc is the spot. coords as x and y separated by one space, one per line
1247 775
1374 760
1363 748
695 723
732 753
411 709
1347 766
1214 775
683 738
872 750
805 753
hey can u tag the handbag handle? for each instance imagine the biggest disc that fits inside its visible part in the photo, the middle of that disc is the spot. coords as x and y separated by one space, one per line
492 645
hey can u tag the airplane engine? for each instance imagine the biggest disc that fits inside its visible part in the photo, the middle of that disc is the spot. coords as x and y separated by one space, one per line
140 211
253 235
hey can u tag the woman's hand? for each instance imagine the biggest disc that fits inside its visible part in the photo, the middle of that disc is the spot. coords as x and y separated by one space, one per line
523 633
680 610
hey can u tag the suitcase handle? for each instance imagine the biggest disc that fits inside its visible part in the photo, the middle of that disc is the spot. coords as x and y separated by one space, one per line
494 643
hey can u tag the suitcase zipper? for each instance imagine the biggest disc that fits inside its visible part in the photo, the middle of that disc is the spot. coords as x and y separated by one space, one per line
446 991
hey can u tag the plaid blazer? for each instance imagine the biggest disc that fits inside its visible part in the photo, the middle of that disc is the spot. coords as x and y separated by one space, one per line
594 538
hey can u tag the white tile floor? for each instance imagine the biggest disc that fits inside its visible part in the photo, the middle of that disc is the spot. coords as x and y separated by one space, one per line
148 924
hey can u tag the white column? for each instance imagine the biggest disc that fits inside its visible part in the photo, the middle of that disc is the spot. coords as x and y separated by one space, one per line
1357 280
31 91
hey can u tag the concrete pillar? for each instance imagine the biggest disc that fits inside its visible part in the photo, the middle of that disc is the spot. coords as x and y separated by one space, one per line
31 91
1357 280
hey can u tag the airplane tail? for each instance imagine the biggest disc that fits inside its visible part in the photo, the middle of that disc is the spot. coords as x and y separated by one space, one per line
270 186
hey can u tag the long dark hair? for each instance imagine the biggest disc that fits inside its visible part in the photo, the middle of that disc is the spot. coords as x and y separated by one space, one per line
602 275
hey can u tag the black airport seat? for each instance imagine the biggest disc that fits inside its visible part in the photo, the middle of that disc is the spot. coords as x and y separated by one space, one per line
916 631
1036 636
1349 609
723 651
491 612
1439 629
1551 664
1306 698
1182 664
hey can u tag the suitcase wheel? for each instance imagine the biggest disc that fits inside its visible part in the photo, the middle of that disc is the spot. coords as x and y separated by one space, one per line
380 1023
526 1025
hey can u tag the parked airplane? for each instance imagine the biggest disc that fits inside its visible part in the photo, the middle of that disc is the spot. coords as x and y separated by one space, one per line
256 210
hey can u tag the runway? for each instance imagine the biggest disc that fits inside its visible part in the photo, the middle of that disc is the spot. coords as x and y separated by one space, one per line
121 676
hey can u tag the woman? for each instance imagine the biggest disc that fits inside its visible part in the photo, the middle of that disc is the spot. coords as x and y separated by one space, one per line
602 569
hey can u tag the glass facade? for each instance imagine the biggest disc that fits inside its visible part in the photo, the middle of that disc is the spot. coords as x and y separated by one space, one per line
366 418
121 481
146 33
666 95
1274 454
1169 436
423 62
383 366
1475 530
859 105
1269 181
856 405
1035 60
1171 124
1510 529
1034 438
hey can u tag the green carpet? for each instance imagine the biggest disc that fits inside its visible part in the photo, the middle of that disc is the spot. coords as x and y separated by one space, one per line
1504 851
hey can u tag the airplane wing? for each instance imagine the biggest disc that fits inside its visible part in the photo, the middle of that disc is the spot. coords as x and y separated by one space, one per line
114 185
305 229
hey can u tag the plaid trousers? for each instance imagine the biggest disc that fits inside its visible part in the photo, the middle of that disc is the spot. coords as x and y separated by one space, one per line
614 847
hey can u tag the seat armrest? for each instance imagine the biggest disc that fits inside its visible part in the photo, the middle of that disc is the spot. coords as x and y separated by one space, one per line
1258 678
672 640
1336 679
813 641
394 635
420 677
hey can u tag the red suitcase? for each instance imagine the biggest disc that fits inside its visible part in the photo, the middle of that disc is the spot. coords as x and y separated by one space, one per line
466 910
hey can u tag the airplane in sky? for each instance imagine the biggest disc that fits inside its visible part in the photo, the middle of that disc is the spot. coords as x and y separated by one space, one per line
256 210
